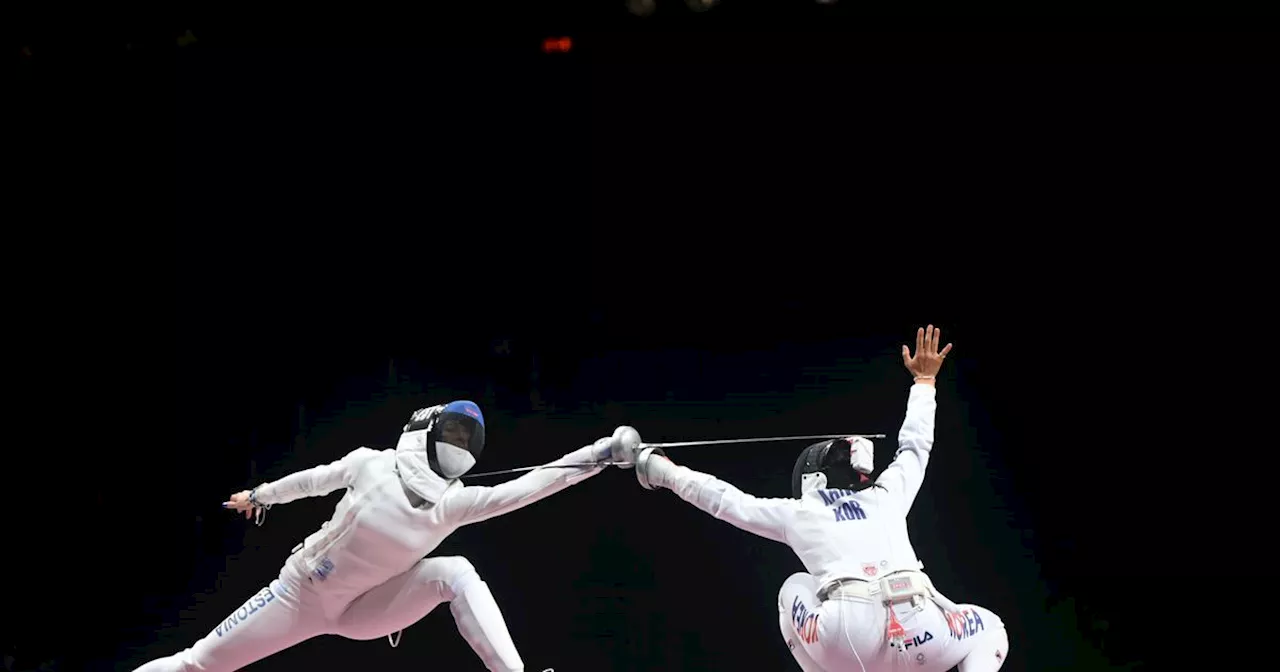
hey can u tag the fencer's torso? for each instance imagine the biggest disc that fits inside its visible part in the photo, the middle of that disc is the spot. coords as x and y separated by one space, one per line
375 532
836 533
395 510
847 534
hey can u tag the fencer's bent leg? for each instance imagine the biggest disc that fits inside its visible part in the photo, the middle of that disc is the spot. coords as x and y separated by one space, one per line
789 636
800 620
481 624
277 617
849 634
402 600
989 650
407 598
971 638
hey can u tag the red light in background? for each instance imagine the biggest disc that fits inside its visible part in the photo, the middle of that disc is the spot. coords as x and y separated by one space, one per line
554 45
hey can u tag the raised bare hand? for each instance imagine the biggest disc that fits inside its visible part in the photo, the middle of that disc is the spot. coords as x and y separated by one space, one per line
927 360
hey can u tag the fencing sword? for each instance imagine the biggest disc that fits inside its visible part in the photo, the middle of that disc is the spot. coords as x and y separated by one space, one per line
682 444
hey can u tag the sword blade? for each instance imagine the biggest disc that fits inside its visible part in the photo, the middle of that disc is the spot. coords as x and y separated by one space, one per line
712 442
678 444
539 466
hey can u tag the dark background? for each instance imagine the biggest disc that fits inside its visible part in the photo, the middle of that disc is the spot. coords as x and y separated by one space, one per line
704 235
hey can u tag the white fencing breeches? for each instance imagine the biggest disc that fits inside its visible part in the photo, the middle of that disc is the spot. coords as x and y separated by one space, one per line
407 598
849 635
291 609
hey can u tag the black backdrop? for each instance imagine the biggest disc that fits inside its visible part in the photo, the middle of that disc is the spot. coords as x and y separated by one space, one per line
701 239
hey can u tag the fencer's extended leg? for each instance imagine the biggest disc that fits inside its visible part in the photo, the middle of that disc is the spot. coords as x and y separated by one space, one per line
407 598
274 619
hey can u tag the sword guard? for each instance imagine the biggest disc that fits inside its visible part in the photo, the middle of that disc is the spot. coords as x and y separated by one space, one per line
642 466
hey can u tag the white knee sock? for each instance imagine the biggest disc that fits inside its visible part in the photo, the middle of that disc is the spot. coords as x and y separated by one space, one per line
481 624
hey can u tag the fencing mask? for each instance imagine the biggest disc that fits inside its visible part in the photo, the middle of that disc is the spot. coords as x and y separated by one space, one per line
838 463
452 435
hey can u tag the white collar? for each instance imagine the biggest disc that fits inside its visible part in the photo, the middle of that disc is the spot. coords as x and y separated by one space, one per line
415 470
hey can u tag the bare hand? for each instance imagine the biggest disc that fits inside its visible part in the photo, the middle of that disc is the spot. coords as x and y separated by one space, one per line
927 360
240 502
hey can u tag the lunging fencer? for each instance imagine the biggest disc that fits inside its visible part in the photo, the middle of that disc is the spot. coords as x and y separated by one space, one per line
364 575
863 604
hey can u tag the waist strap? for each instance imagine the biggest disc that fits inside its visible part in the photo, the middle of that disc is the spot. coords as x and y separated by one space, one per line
899 586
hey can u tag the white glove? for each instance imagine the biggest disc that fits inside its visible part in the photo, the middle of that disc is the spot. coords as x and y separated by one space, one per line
602 449
620 449
645 463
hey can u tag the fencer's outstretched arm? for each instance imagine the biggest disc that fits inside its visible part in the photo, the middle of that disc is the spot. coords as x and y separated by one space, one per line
904 476
477 503
763 517
313 482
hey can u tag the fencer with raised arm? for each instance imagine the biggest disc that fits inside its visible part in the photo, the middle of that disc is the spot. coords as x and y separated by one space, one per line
863 605
364 575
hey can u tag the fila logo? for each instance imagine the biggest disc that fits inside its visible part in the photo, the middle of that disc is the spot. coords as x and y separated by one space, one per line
918 640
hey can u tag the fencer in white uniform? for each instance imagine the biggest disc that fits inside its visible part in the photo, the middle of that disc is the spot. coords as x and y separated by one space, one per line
863 605
364 575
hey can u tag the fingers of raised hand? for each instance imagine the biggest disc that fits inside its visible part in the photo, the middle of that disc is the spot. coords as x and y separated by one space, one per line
928 341
935 340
